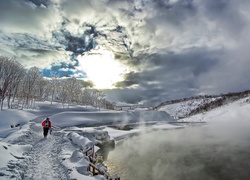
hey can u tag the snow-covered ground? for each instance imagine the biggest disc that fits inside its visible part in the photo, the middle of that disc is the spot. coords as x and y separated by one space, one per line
25 154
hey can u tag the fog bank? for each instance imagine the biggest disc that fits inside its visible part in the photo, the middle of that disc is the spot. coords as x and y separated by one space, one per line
217 151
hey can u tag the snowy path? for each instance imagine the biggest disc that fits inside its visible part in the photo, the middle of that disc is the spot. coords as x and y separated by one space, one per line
43 161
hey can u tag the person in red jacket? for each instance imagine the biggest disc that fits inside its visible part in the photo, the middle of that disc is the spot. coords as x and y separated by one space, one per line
46 126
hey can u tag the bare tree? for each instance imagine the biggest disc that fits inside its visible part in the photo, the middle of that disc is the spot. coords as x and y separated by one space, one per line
86 98
70 91
75 90
62 92
71 85
30 83
42 87
53 86
8 74
18 74
96 97
101 100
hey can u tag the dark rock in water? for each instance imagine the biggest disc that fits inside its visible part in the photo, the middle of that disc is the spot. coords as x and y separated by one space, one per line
125 127
2 174
17 125
105 148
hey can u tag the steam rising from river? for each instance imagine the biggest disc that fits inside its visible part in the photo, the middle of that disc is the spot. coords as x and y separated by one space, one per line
213 152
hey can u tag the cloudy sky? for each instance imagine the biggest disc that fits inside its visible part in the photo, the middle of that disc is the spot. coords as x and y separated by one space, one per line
137 51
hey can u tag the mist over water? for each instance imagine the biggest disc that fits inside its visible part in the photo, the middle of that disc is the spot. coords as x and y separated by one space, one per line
214 152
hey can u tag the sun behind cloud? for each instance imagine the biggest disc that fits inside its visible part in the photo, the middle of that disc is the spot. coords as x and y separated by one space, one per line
101 68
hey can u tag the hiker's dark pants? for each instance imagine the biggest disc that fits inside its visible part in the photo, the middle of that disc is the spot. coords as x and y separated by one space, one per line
45 131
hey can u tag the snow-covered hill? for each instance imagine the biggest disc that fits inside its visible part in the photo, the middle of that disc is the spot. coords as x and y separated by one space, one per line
181 109
187 107
234 112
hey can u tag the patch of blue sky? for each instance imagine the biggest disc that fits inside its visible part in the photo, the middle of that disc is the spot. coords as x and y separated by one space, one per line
63 70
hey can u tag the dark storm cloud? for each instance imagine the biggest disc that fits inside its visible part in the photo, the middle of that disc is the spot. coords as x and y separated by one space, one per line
79 43
130 96
176 12
167 75
163 68
198 60
126 83
227 13
39 2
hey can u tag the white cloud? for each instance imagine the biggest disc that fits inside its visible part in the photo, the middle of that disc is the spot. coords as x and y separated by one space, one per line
24 17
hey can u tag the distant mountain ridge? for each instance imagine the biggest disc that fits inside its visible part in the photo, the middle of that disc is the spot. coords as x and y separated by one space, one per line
182 108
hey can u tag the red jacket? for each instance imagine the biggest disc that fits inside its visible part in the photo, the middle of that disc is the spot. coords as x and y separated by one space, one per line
46 123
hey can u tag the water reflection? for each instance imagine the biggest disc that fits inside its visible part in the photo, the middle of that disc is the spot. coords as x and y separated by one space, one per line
191 153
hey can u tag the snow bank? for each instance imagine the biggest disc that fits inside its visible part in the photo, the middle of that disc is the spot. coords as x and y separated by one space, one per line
97 136
13 117
79 160
11 152
84 143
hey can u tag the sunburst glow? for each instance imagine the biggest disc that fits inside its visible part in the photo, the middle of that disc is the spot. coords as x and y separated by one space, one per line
101 68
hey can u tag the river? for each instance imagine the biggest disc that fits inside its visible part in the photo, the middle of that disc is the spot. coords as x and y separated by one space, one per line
195 153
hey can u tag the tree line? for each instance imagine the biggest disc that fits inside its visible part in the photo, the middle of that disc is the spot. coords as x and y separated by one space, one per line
21 87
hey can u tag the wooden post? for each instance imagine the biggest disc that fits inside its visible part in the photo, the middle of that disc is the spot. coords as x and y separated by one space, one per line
93 168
